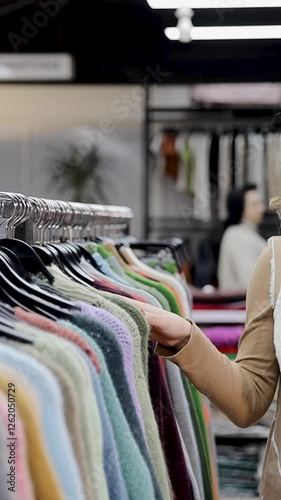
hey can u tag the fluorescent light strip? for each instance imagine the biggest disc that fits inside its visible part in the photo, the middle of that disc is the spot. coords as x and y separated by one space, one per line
213 4
228 33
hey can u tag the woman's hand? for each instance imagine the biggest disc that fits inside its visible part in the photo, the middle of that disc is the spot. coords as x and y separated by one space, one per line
166 328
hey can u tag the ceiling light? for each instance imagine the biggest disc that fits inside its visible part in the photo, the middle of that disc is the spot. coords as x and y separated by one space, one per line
228 33
212 4
184 15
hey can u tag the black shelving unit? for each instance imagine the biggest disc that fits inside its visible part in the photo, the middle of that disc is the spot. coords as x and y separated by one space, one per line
199 118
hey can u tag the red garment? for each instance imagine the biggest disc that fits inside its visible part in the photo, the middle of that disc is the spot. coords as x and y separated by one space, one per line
103 285
214 307
228 349
168 428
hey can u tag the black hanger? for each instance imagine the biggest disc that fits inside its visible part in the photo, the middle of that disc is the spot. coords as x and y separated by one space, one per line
7 326
44 254
70 262
42 294
10 333
27 256
86 254
15 291
175 245
16 262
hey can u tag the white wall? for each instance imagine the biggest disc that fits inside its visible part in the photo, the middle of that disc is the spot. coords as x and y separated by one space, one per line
36 121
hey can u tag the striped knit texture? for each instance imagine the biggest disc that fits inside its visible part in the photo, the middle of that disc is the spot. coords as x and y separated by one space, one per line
79 292
135 471
112 350
126 341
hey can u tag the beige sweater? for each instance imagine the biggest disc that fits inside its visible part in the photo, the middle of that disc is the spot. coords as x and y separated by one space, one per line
243 389
241 247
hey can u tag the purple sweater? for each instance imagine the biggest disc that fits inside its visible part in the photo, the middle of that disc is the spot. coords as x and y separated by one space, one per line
126 342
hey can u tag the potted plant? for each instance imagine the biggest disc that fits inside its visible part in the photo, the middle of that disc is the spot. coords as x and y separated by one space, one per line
80 174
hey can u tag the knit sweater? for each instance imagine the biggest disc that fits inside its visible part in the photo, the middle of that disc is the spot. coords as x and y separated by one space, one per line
152 291
142 294
44 478
182 412
164 411
55 431
62 353
114 358
76 291
111 463
142 325
71 411
134 469
126 341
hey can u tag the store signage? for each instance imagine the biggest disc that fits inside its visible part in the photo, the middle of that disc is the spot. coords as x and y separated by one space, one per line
36 67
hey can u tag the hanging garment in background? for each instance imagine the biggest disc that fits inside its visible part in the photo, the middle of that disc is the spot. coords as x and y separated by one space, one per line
224 174
256 162
171 157
240 160
155 149
214 160
201 144
186 173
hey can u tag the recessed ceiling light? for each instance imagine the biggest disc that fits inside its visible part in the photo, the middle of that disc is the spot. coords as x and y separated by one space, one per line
228 33
212 4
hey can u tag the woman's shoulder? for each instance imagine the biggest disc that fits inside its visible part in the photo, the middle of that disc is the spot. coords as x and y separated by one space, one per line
234 234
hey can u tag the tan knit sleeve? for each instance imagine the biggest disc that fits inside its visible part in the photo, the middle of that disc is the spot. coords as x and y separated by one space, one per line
243 389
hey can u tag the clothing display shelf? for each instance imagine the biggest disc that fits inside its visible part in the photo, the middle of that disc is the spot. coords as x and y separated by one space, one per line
37 220
196 118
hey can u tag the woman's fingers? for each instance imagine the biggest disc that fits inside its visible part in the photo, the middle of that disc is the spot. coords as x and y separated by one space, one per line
145 307
168 329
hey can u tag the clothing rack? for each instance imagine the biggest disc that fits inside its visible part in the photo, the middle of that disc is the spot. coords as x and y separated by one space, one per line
36 219
198 118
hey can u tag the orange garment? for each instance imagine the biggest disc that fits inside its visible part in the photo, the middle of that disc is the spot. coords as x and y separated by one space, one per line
168 149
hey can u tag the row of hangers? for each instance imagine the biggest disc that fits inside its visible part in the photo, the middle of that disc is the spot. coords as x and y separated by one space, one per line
58 231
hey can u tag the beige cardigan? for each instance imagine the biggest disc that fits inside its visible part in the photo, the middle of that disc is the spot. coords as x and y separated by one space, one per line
244 389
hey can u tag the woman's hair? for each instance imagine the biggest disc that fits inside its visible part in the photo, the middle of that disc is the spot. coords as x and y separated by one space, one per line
236 204
275 204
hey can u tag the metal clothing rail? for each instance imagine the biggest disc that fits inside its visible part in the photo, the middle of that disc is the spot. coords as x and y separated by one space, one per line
39 220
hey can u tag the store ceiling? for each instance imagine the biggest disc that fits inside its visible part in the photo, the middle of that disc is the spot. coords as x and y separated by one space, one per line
123 41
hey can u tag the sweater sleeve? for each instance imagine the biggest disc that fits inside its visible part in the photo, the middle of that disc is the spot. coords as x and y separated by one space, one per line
242 389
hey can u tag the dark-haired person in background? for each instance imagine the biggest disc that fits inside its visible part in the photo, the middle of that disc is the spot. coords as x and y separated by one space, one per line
241 244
